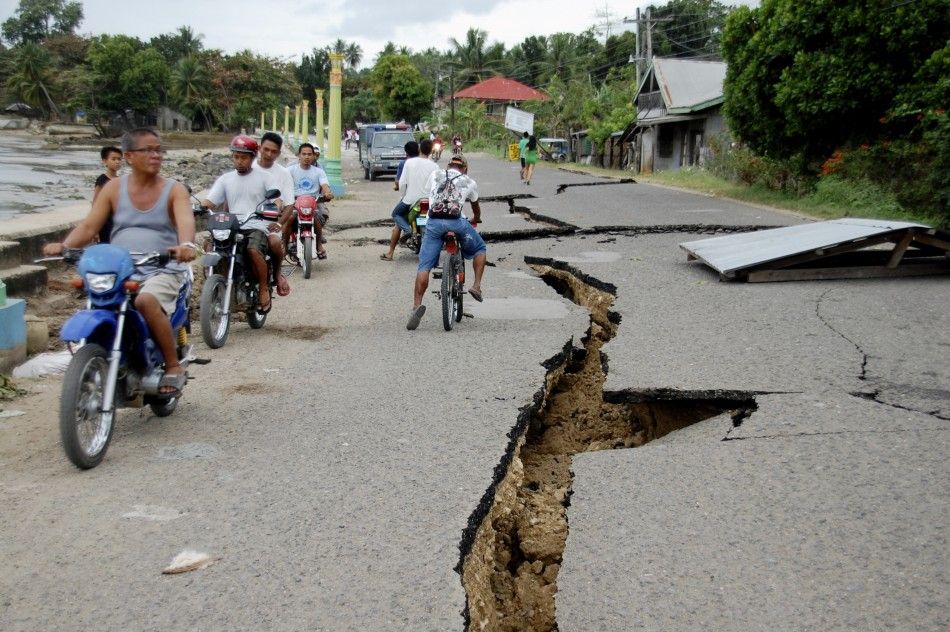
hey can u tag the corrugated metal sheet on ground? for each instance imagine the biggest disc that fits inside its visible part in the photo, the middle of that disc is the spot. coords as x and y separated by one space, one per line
732 253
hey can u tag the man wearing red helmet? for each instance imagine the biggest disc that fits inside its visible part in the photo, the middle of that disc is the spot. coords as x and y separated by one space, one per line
242 190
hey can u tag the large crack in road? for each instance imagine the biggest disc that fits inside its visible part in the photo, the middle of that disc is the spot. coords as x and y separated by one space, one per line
513 547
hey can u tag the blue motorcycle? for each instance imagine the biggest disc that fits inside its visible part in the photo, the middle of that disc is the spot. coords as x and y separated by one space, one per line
118 363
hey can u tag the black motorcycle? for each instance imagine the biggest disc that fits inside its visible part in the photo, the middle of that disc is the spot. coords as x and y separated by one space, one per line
229 277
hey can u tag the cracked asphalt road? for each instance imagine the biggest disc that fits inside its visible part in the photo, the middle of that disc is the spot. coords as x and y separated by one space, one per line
335 475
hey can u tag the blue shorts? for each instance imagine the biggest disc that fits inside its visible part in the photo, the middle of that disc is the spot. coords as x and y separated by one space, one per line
471 242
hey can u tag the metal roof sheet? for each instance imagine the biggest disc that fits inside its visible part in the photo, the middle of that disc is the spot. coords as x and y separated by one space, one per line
732 253
686 83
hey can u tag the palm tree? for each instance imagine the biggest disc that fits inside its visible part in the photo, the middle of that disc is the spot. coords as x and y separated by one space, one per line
471 53
191 85
189 42
353 55
33 79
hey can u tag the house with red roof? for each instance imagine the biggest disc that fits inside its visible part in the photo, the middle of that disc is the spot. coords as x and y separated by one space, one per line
499 92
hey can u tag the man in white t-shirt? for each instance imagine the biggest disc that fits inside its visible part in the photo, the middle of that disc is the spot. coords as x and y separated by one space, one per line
242 190
412 183
311 180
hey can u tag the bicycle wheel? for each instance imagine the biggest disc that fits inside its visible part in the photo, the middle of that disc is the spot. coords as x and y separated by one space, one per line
448 291
459 269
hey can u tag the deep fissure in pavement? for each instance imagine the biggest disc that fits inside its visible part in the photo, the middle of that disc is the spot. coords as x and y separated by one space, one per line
512 550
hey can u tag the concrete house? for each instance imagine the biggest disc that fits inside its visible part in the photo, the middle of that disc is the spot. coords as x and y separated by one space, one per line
679 108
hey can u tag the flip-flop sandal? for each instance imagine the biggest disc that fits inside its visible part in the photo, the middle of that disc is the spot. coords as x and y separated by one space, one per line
176 381
322 255
283 286
385 257
415 317
265 310
476 295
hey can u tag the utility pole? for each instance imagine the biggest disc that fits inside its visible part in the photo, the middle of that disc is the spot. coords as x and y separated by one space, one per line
644 60
452 94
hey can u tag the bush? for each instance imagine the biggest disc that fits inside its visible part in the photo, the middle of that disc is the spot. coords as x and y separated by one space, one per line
860 198
738 163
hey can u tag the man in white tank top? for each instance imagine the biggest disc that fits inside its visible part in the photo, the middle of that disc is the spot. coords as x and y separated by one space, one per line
144 187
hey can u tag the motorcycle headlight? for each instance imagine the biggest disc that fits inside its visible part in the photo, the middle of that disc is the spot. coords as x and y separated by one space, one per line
100 282
221 234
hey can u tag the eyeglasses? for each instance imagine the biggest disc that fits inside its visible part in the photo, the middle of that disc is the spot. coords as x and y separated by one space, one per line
161 151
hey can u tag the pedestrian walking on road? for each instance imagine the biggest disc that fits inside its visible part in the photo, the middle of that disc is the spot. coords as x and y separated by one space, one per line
530 158
522 145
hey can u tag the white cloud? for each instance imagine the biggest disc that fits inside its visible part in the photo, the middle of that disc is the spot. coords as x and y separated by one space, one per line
290 28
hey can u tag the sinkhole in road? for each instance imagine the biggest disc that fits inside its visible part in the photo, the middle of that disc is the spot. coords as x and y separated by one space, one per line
512 550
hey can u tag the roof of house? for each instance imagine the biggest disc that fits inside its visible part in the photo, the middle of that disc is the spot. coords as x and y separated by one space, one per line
688 85
501 89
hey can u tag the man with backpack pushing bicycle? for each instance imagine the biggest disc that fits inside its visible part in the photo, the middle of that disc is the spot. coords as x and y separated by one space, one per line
448 191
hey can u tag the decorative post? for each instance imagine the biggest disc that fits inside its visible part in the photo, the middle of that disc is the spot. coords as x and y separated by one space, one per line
332 164
318 112
286 120
306 121
262 122
297 122
273 119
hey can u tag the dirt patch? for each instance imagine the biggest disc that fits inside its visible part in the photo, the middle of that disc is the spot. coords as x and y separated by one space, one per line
510 573
299 332
252 388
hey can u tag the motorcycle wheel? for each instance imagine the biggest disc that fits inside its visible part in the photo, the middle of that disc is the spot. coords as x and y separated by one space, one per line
307 256
163 407
83 428
215 323
255 319
448 292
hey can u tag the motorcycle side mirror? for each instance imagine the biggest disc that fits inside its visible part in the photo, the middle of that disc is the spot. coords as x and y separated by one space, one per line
271 194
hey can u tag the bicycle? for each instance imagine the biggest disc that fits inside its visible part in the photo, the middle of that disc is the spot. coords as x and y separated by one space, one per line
453 280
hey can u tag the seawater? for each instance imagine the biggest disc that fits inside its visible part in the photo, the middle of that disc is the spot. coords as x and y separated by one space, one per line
34 179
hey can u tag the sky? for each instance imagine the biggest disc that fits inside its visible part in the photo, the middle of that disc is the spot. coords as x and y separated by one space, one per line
289 28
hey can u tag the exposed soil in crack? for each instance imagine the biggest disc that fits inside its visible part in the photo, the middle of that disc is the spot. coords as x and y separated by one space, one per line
512 550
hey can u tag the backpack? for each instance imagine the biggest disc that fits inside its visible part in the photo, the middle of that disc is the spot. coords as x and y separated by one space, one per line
448 199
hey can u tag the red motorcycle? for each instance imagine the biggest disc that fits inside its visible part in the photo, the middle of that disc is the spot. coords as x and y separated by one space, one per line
307 210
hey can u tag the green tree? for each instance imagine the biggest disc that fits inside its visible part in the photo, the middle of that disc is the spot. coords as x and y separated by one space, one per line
32 82
313 72
190 87
526 61
181 43
35 20
805 78
475 57
611 109
245 84
360 108
401 91
353 55
128 75
689 28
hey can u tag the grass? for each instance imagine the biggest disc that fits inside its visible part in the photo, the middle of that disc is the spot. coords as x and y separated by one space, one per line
835 198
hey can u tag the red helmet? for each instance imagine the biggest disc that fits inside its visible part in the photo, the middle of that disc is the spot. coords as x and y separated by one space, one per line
244 144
